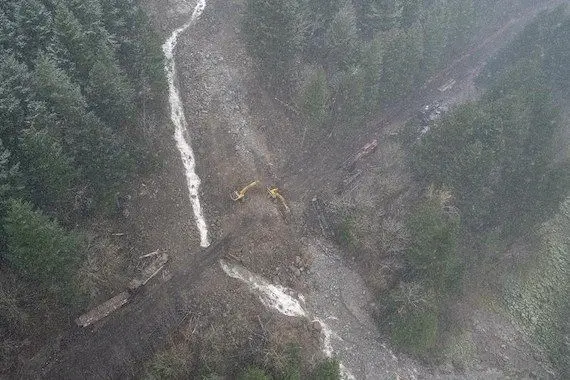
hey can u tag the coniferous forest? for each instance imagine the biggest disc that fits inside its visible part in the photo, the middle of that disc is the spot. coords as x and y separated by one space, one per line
75 78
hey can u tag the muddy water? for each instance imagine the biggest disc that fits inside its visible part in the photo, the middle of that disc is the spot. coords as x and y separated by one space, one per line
181 125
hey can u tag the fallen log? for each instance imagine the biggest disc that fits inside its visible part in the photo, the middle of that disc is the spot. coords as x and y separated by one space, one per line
122 298
366 150
103 310
320 213
153 253
148 272
347 183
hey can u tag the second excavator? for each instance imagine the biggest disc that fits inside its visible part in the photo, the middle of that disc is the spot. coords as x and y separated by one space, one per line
274 193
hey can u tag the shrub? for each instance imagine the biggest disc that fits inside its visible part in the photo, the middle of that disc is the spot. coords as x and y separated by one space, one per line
11 315
289 365
166 365
254 373
432 252
314 98
537 293
39 248
328 369
433 271
416 332
346 232
412 316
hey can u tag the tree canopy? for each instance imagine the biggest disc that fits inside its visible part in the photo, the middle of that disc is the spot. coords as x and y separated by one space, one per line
73 76
498 154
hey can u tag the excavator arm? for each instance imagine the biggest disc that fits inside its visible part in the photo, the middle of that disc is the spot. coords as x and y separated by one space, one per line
274 193
239 195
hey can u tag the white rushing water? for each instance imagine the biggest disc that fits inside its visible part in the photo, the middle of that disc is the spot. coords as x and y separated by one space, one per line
272 296
328 335
279 298
181 125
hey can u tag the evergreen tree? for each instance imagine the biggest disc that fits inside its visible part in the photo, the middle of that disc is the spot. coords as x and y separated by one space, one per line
532 181
89 141
40 249
138 49
403 50
432 255
148 73
273 30
557 54
342 39
8 174
498 154
435 35
34 29
110 93
15 93
461 20
349 93
546 41
380 15
74 42
56 88
322 12
315 98
411 11
7 33
372 63
318 17
102 154
89 13
49 173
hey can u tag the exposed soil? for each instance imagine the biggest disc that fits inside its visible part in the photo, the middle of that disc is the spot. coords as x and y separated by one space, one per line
239 133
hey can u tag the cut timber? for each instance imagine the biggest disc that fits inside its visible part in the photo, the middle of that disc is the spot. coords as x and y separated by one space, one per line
289 107
447 86
149 272
366 150
103 310
153 253
349 183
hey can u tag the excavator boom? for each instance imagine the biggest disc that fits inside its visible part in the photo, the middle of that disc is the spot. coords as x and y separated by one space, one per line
237 196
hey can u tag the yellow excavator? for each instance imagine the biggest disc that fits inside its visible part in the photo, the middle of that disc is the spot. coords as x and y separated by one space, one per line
239 195
274 193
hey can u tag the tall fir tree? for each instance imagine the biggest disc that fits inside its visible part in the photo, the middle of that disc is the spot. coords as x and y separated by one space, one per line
273 30
342 41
